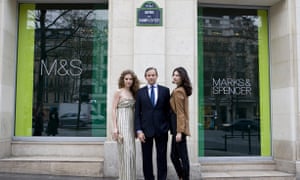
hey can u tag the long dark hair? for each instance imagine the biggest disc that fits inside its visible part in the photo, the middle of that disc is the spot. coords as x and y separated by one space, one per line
185 80
135 84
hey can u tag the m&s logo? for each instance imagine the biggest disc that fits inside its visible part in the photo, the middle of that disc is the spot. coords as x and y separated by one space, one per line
62 67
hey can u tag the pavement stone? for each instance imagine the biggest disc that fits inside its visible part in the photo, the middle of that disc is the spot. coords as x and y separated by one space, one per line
11 176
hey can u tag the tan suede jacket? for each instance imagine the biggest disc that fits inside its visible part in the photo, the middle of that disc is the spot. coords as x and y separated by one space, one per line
180 106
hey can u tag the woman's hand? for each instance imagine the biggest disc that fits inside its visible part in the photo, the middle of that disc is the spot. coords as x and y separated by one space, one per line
141 137
115 134
178 137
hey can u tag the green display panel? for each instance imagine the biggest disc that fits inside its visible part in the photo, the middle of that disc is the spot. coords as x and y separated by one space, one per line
200 87
25 66
263 52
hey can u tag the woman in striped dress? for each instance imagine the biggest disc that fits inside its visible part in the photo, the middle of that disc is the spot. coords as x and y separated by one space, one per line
123 123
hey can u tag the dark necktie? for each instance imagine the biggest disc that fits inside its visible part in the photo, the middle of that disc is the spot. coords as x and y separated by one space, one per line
152 95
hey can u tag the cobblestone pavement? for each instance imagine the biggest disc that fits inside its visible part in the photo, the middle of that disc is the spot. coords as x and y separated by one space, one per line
9 176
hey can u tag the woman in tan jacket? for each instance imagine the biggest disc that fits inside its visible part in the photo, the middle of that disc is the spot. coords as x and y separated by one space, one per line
180 122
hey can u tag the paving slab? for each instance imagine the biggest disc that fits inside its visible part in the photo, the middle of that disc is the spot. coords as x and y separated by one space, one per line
10 176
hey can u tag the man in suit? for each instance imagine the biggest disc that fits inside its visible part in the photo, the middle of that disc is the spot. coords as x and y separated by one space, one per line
152 109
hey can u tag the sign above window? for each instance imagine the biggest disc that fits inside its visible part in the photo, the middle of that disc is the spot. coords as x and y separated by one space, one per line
149 15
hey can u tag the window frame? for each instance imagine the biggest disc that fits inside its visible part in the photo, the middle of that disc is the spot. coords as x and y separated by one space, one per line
53 138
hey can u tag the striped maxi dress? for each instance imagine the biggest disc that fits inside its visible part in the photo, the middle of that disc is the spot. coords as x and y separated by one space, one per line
125 120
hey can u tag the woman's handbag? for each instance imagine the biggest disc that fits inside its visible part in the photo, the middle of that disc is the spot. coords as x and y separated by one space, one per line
120 139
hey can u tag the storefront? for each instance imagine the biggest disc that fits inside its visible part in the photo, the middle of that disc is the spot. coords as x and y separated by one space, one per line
234 117
61 62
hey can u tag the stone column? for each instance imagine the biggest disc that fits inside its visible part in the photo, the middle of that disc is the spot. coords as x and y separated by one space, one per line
149 51
165 47
284 88
296 39
8 48
181 50
120 57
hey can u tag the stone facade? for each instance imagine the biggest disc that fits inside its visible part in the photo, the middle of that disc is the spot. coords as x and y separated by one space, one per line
166 47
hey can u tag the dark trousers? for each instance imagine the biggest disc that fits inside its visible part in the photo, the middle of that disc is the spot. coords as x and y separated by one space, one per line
161 157
179 157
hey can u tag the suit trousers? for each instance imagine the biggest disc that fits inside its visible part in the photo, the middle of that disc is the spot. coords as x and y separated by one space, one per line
161 157
179 157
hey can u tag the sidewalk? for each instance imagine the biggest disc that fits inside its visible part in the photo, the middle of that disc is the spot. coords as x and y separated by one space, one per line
8 176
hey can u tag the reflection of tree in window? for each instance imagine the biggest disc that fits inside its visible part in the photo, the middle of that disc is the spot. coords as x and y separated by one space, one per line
230 55
64 44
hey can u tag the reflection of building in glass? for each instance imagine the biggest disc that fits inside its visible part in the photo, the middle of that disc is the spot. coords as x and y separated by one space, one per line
230 68
71 60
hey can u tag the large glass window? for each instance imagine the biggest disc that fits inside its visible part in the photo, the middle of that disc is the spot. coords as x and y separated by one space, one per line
234 118
62 70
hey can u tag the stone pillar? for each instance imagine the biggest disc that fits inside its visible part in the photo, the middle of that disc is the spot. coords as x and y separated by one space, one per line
181 50
297 59
120 57
8 71
284 88
165 47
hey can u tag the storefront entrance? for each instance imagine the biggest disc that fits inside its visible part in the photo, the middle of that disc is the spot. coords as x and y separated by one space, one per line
233 66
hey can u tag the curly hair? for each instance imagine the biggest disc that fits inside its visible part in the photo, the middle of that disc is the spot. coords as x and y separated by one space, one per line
185 80
135 84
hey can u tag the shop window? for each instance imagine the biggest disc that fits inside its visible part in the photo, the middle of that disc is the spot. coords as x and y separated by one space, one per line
62 70
234 104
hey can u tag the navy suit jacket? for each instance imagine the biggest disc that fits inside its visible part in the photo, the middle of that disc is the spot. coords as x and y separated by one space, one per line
152 120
